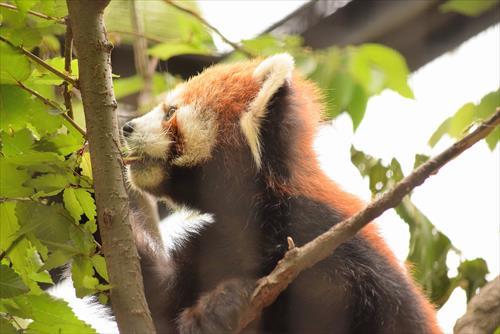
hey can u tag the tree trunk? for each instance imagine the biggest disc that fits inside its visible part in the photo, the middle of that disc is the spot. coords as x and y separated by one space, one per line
94 51
483 311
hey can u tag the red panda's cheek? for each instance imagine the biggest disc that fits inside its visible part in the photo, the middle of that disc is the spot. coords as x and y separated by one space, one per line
146 175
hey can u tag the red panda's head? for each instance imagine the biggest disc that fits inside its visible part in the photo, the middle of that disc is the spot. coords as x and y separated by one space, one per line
225 108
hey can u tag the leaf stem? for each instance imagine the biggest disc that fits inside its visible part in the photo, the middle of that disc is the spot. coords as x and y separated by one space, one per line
211 27
54 105
41 62
32 12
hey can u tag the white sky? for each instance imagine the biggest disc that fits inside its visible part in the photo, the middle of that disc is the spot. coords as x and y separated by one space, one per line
463 199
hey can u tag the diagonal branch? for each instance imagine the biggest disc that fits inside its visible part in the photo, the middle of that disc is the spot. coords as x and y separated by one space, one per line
54 105
41 62
211 27
32 12
300 258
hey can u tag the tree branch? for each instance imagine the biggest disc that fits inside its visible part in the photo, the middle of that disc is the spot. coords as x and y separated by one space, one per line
482 311
40 61
211 27
68 53
113 212
32 12
300 258
54 105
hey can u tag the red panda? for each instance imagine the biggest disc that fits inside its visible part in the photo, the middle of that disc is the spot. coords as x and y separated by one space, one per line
236 142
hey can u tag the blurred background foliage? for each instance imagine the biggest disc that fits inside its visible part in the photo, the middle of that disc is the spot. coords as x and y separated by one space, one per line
47 210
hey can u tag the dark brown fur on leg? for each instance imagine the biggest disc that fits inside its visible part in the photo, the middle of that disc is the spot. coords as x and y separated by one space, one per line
218 311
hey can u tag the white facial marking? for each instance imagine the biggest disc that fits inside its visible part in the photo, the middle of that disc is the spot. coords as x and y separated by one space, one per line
149 137
198 130
272 73
177 228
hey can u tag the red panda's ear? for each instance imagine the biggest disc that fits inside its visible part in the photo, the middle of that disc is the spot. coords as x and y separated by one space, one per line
271 73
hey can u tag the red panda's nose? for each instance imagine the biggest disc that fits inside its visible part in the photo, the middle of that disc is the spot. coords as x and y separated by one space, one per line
127 129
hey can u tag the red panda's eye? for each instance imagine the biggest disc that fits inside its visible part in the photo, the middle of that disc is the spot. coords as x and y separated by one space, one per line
169 111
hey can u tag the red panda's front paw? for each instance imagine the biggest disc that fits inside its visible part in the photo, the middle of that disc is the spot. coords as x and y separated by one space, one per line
219 311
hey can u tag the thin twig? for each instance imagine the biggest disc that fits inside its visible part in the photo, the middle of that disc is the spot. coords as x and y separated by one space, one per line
68 52
211 27
54 105
149 38
32 12
300 258
41 62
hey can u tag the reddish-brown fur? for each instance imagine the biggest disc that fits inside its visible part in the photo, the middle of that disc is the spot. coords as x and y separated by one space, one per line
227 90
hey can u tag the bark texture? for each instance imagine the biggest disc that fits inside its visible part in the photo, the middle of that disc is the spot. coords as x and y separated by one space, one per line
114 217
483 311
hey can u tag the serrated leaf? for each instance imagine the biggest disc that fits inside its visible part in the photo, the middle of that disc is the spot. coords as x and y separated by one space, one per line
50 315
12 180
18 108
493 138
56 230
56 259
86 165
42 76
82 273
23 256
15 66
16 142
10 283
50 183
72 205
86 202
99 264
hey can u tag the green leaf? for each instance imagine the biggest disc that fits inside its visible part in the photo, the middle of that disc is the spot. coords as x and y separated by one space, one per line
82 273
50 184
72 205
25 5
100 266
472 274
56 229
15 66
6 327
18 108
357 106
87 203
61 143
468 7
343 89
462 119
42 76
49 315
428 252
56 259
24 257
459 124
12 180
392 64
127 86
16 142
10 283
168 50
